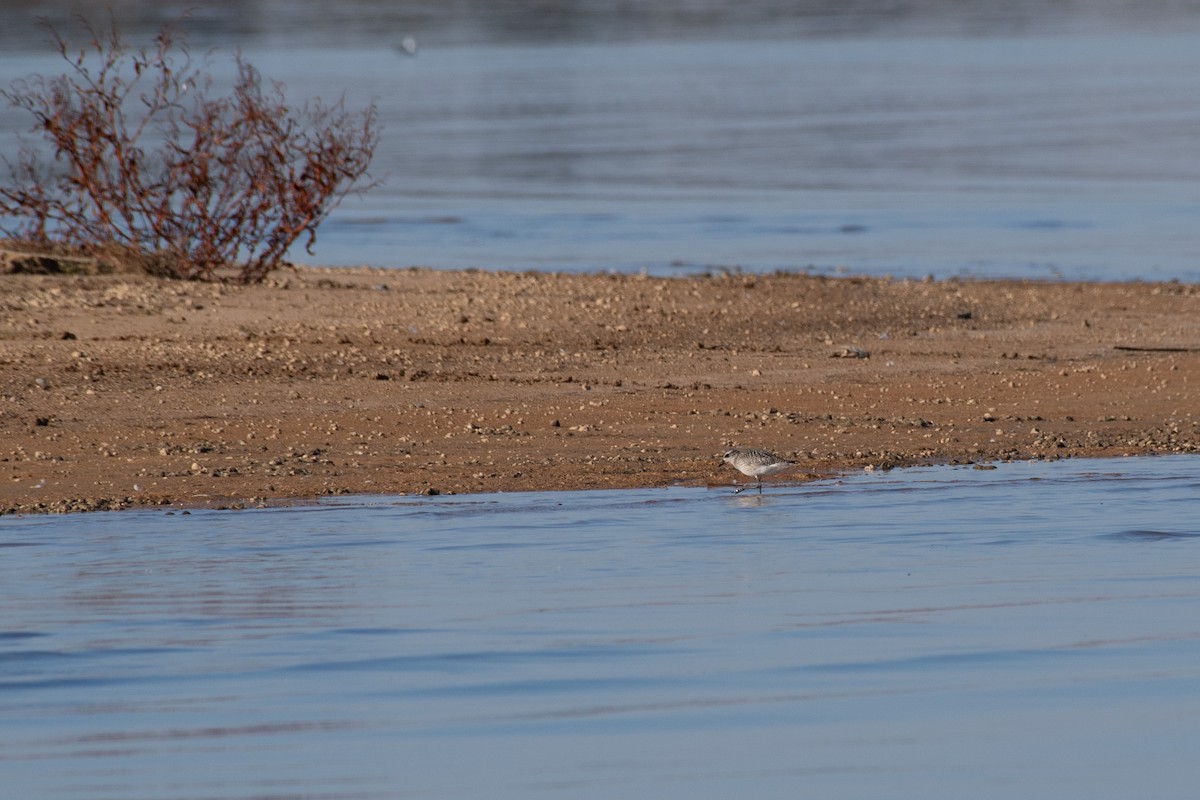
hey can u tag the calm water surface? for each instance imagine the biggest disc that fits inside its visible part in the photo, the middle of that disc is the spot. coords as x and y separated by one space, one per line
940 633
911 138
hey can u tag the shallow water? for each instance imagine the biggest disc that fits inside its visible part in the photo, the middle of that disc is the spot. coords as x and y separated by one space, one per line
941 632
911 138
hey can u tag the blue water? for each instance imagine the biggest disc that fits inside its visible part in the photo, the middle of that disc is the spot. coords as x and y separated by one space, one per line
908 138
944 632
1021 156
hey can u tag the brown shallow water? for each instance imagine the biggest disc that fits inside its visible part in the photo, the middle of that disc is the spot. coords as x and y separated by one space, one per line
120 390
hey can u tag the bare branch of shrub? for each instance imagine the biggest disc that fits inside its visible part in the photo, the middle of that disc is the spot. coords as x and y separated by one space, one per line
145 159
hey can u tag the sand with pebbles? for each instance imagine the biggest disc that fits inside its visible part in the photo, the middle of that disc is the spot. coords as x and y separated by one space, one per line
120 390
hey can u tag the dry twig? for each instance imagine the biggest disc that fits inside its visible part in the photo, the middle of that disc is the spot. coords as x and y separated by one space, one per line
145 159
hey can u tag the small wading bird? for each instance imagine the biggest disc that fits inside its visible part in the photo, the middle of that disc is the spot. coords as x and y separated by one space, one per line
755 464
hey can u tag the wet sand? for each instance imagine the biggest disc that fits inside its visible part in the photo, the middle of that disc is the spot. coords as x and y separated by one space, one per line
119 390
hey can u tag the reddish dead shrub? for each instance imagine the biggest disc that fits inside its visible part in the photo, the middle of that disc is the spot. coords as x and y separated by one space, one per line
141 157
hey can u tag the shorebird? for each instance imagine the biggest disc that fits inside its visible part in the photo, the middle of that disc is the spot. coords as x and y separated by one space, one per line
755 464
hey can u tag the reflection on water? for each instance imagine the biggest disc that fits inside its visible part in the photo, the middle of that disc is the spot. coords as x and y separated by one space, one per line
937 633
1013 139
472 22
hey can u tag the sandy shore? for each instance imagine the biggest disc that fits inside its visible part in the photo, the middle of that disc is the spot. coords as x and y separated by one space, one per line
118 391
